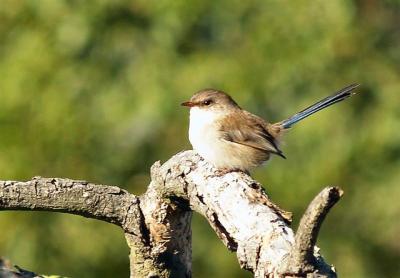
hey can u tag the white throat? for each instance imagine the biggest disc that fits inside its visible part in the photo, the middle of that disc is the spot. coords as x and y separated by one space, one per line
203 129
208 140
200 117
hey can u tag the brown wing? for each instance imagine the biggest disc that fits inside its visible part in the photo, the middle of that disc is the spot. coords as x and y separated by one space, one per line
249 130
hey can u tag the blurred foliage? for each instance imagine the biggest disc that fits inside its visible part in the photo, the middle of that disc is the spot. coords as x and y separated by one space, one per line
91 90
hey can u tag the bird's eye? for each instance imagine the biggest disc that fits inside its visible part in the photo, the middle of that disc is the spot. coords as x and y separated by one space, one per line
207 102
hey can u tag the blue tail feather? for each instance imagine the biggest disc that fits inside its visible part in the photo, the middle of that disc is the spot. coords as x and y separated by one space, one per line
324 103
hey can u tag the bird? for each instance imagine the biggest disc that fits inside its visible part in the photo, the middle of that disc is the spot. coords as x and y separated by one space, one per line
233 139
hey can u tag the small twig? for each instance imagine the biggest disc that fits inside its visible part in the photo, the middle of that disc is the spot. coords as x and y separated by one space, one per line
310 223
302 259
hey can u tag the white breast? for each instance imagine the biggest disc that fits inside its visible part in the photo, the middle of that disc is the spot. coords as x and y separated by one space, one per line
206 138
203 132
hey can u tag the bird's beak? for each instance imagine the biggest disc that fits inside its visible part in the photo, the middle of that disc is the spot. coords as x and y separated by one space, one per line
188 104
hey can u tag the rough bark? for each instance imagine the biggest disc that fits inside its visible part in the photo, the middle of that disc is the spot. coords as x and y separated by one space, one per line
157 224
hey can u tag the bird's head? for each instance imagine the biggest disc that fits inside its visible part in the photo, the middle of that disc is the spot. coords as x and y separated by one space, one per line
210 100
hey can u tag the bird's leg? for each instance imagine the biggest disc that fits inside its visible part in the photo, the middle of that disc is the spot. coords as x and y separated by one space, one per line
223 171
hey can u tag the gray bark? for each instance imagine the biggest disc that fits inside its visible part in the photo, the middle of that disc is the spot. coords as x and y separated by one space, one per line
157 223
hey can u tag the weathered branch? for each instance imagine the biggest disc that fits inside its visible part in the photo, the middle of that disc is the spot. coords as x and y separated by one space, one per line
157 224
235 206
307 233
304 257
108 203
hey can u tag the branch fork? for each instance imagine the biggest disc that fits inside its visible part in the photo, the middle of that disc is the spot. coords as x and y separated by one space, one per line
157 224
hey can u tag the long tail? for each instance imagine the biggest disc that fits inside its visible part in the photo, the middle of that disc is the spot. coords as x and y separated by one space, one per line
324 103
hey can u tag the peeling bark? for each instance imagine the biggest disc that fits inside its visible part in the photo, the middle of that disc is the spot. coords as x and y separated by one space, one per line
157 223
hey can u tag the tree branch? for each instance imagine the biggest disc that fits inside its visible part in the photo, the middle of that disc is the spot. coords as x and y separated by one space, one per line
310 224
157 224
235 205
107 203
304 257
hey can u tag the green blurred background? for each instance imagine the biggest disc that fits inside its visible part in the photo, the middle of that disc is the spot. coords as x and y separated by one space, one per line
91 90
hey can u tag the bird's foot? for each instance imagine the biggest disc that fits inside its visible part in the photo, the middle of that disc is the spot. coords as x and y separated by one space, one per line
223 171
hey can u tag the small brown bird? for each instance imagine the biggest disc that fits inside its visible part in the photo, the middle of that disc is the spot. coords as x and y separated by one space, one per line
231 138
